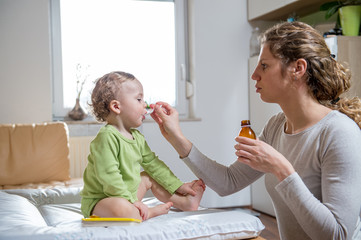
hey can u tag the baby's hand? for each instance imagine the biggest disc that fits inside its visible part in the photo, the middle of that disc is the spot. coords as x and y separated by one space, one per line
143 209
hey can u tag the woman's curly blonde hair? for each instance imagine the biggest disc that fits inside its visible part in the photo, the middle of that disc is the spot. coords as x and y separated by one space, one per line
326 78
105 91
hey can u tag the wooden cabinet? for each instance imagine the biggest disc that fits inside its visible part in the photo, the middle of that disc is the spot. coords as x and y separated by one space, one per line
281 9
261 201
347 51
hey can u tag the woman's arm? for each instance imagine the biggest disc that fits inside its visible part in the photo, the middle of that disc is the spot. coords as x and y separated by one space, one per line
222 179
263 157
167 119
335 214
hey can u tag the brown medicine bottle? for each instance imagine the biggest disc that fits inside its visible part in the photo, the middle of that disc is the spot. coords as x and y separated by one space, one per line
246 130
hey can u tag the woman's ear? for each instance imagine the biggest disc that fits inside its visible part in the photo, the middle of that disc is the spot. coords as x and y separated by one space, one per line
114 106
300 68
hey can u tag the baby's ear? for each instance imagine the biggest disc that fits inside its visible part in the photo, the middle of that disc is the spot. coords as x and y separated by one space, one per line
114 106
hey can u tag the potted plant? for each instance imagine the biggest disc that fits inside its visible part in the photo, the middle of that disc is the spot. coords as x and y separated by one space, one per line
349 14
78 113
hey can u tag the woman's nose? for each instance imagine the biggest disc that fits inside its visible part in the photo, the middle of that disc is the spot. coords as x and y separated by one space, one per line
254 75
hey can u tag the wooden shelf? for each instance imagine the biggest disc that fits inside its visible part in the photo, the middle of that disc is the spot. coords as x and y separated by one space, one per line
281 9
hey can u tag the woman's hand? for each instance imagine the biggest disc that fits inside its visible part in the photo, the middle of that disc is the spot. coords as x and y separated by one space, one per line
167 118
262 157
143 209
187 188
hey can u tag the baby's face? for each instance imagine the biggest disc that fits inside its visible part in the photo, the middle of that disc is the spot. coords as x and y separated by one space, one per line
132 105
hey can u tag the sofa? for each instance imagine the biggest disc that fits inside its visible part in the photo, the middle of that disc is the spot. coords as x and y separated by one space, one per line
35 156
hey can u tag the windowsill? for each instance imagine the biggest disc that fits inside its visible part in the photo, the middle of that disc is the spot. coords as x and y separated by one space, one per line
88 122
180 120
90 127
91 120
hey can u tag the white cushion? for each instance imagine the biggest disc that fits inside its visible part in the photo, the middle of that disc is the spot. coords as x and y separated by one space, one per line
55 214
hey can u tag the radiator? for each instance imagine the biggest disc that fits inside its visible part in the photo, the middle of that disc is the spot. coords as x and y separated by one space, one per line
79 151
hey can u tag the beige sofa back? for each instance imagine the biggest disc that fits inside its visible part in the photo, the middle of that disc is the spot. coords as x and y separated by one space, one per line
34 153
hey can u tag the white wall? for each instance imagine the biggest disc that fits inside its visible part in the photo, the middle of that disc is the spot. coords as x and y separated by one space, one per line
222 36
221 53
25 86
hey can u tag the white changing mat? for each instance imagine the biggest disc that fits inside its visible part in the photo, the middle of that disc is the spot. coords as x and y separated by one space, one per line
55 214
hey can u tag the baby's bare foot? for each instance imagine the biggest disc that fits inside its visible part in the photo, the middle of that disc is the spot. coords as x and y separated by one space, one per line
194 201
159 209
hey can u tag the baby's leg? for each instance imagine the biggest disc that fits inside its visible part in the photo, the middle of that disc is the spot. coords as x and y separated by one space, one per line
159 209
116 207
189 202
185 203
122 208
145 185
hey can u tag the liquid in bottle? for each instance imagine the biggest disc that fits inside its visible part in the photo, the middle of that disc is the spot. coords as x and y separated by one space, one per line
246 130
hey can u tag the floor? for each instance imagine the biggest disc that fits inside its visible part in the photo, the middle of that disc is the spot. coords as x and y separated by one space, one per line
271 231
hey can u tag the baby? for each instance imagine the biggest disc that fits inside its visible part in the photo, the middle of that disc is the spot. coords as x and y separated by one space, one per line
113 182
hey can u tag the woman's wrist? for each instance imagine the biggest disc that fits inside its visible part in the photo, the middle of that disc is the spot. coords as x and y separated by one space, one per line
283 173
182 145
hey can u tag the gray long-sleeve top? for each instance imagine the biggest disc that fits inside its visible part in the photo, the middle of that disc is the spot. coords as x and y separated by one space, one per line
322 199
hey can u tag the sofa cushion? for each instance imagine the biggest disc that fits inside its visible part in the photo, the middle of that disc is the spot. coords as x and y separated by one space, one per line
73 182
33 153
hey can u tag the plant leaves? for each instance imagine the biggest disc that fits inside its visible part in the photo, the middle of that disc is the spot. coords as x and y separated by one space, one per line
328 5
331 11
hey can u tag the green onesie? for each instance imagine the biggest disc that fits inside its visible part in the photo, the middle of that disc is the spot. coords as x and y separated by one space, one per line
113 168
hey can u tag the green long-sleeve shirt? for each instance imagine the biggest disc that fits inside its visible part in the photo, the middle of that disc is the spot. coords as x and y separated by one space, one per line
114 166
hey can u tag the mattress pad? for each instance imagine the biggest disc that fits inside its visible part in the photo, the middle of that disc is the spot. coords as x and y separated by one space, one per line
55 214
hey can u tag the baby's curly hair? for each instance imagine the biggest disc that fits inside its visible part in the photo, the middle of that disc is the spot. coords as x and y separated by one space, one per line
105 91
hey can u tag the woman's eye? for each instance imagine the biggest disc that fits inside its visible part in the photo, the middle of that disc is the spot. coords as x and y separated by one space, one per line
264 66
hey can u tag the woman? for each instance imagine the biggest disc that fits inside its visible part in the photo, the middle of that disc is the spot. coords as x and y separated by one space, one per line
309 152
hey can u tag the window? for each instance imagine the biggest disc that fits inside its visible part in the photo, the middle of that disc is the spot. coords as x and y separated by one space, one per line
93 37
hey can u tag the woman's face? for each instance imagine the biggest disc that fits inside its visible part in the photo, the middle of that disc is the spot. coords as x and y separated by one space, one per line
272 86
